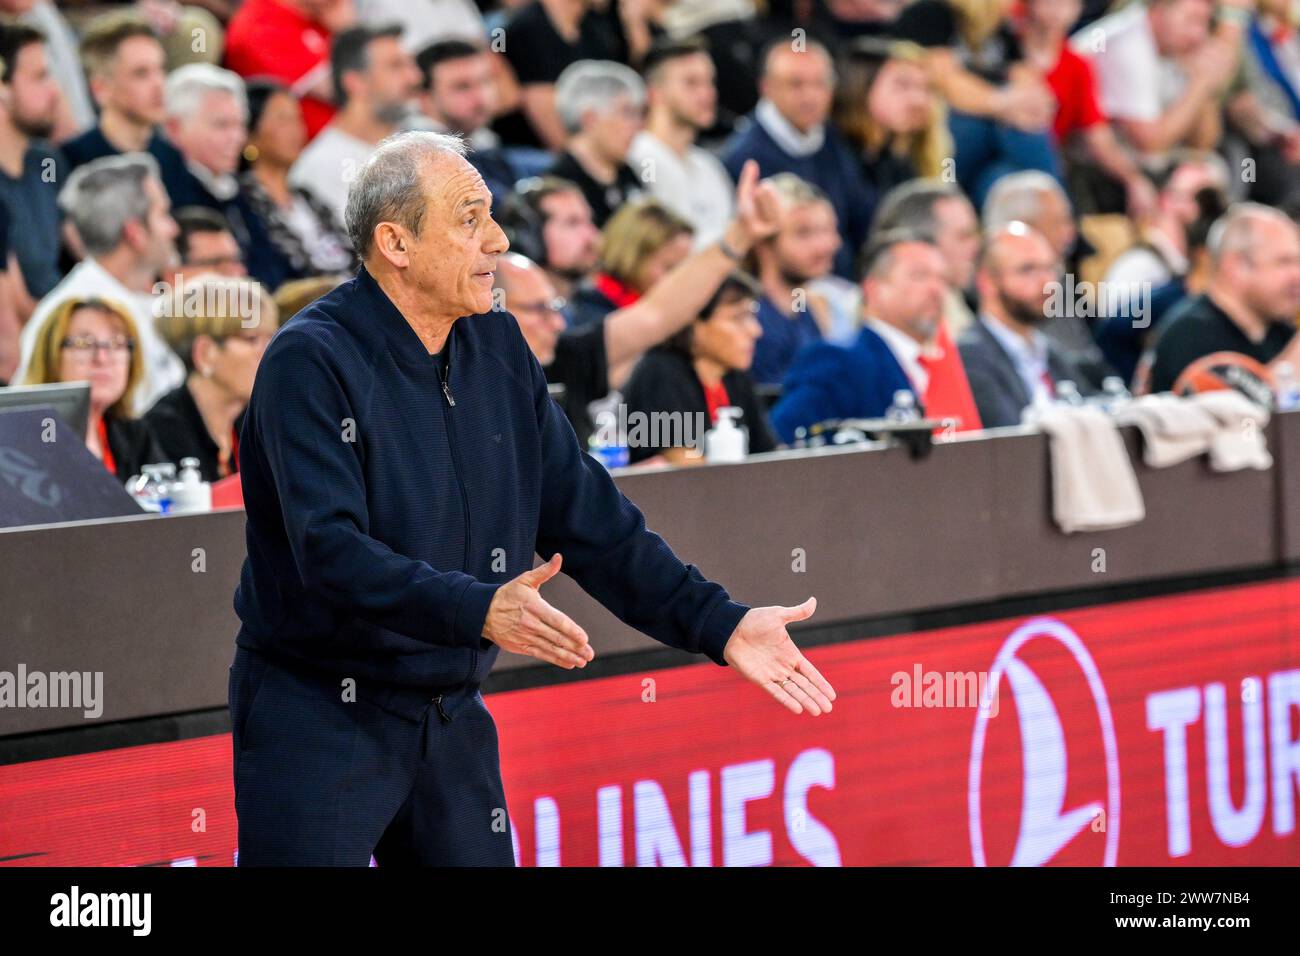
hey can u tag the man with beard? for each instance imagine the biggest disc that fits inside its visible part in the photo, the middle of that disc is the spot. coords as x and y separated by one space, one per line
683 103
1010 362
375 80
549 221
1252 300
904 279
794 315
30 168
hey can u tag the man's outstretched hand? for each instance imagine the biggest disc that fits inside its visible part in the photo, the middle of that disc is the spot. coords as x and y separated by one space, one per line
519 620
761 649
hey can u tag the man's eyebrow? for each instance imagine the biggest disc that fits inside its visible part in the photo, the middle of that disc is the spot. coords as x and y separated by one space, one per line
476 201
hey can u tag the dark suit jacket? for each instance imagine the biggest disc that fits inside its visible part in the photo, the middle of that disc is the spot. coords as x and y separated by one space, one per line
999 392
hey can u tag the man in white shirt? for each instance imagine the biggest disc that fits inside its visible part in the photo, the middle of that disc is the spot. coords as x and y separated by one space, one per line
1161 67
123 218
375 82
683 101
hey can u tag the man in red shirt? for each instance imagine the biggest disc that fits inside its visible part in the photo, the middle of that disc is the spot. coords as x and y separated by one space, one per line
290 40
1044 27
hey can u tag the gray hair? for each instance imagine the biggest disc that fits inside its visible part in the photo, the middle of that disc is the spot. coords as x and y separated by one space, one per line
1018 197
390 186
1234 231
188 85
912 204
594 85
102 196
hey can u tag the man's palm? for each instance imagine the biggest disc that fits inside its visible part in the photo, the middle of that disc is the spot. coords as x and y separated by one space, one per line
761 649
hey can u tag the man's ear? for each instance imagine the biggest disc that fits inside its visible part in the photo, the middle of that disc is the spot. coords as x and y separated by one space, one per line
394 243
134 234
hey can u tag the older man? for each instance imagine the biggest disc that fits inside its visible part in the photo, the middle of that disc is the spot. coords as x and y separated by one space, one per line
401 464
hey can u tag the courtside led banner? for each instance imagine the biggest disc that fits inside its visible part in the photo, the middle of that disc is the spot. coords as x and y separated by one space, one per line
1163 731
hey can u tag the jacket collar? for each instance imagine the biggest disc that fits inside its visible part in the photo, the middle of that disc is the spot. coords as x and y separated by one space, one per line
378 320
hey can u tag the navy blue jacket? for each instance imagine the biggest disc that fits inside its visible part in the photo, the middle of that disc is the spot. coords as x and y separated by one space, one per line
382 518
830 381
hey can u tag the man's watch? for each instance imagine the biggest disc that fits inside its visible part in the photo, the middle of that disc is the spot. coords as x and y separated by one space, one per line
728 251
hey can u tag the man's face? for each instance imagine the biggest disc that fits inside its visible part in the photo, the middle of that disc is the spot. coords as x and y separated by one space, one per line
33 93
807 243
1181 26
214 136
1178 198
958 237
1056 222
532 300
461 94
612 130
799 85
686 89
454 257
570 236
215 253
1055 17
159 251
392 80
1269 274
662 260
899 99
909 293
134 80
1018 274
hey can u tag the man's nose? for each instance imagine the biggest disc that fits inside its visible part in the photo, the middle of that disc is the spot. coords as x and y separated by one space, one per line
497 241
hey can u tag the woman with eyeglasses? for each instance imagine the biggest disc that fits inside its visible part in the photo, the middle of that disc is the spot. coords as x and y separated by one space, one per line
220 335
95 341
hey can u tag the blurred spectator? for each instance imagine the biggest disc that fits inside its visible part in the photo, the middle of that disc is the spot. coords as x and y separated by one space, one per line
458 97
682 104
804 249
885 106
1010 363
205 245
221 343
903 283
1161 251
122 217
638 246
602 106
124 61
939 212
374 83
1252 300
1123 337
1161 71
789 132
10 327
544 38
86 339
860 18
549 222
1038 201
192 33
290 40
30 168
1000 109
426 22
292 297
1043 32
74 111
702 368
297 234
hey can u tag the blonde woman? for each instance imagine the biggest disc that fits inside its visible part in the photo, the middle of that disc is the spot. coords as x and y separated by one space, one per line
640 243
96 341
221 335
886 106
1001 110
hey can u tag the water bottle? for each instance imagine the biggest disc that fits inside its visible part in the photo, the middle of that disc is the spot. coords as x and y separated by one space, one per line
1068 393
1286 389
191 493
903 408
726 441
152 488
608 451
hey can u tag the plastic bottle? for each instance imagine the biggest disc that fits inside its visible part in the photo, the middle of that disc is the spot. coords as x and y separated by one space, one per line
191 493
726 441
1068 393
607 451
152 488
903 408
1286 389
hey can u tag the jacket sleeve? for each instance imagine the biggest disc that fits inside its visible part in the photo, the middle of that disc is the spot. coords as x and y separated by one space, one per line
300 419
609 551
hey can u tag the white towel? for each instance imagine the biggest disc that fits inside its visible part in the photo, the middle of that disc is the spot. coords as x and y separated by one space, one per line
1238 440
1173 429
1093 484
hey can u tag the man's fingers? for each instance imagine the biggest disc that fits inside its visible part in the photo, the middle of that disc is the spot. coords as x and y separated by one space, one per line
780 693
558 628
808 694
806 668
542 573
545 650
748 177
800 612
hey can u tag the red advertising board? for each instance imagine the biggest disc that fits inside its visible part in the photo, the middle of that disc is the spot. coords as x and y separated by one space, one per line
1164 731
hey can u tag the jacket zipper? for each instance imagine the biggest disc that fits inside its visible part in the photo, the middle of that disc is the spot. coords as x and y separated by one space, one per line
442 714
464 497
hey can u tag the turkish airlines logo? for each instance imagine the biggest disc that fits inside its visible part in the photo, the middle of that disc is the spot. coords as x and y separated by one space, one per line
1047 825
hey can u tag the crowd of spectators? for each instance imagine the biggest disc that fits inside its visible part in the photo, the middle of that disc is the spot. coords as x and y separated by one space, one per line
796 208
